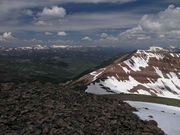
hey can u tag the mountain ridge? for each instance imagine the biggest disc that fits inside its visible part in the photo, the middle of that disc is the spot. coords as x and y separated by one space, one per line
152 72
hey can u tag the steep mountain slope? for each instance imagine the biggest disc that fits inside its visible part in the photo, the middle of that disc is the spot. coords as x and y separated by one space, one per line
155 72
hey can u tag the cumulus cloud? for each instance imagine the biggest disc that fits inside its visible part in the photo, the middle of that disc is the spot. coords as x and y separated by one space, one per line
86 38
134 33
49 16
62 33
40 23
9 5
54 12
153 29
6 36
28 12
108 40
111 38
48 33
104 35
51 19
165 24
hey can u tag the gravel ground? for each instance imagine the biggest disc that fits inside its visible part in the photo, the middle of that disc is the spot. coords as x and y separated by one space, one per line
48 109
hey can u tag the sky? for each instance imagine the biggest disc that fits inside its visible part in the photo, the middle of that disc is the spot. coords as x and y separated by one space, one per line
122 23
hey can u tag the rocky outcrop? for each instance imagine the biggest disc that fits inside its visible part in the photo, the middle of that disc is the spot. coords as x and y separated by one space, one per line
47 109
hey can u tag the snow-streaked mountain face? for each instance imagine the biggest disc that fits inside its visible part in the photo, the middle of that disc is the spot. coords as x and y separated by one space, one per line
153 72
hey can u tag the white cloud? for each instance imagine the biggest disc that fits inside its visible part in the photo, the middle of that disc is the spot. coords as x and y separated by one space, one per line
173 34
12 5
71 22
55 11
6 36
108 40
162 22
162 29
28 12
62 33
85 21
165 24
112 38
48 33
41 23
134 33
86 38
50 16
104 35
6 6
143 37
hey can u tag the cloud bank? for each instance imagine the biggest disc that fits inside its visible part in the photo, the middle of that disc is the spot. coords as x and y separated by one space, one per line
165 24
48 20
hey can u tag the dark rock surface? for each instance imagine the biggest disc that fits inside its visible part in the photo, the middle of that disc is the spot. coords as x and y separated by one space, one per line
47 109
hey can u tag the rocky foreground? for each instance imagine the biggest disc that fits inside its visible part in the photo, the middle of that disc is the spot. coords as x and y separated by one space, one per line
48 109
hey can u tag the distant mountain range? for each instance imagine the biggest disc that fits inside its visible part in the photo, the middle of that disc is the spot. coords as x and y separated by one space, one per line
155 72
45 47
38 47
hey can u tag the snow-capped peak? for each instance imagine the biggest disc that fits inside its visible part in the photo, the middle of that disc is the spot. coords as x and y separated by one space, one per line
39 47
59 46
156 49
153 72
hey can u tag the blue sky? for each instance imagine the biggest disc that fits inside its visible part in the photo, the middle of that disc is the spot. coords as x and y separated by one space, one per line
124 23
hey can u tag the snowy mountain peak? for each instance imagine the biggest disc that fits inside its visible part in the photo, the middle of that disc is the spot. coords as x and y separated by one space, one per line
32 47
155 73
156 49
39 47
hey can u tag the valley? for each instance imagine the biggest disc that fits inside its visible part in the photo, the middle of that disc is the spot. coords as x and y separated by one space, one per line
55 65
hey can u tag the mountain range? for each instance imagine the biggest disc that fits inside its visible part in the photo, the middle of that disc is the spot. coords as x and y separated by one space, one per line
37 107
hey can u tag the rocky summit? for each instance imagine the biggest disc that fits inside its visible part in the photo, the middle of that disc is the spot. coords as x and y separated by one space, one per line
154 72
48 109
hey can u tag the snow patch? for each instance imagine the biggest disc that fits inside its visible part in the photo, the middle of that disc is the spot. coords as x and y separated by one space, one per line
125 69
159 72
135 63
97 89
163 87
143 92
167 117
113 84
172 54
96 74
